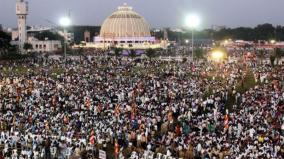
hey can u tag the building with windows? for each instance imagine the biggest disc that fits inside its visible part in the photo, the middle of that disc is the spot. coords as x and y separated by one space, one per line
44 46
22 36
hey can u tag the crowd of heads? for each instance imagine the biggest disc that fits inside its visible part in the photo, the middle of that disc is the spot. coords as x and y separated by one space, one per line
129 108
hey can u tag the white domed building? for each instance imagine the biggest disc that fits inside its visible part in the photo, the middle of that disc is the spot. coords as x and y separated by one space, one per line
126 29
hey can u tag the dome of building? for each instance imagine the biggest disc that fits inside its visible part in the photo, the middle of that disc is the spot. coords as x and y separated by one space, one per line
125 23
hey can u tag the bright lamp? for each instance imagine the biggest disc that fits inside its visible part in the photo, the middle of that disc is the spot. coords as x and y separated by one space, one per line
65 21
217 55
192 21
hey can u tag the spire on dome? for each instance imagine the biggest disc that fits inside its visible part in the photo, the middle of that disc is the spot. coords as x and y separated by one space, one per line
124 7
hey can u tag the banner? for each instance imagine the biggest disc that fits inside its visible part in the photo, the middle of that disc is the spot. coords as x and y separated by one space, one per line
102 154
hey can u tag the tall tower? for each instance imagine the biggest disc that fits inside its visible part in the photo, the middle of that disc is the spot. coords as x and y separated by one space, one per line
22 12
166 34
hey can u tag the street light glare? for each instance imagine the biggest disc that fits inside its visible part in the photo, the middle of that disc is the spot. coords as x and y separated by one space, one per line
193 21
217 55
65 21
272 41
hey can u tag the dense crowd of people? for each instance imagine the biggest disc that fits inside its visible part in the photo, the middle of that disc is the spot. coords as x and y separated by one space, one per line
136 108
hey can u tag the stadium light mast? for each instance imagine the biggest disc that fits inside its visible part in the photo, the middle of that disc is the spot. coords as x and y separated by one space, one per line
192 22
65 22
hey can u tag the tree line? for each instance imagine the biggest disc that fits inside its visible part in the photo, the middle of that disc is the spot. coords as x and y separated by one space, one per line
260 32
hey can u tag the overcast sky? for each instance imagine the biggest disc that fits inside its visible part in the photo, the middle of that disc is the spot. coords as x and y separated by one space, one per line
159 13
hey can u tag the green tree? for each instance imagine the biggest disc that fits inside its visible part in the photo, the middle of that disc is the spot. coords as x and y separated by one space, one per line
243 33
4 35
260 32
279 33
150 53
5 45
199 53
27 47
132 53
264 32
278 55
80 51
260 55
117 51
272 60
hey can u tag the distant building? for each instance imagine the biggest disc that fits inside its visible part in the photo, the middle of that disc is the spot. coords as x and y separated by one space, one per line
166 36
23 35
7 30
44 45
1 29
37 28
68 36
87 36
125 29
79 32
31 32
218 27
15 35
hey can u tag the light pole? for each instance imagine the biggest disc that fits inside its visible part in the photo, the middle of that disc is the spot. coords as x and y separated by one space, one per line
186 47
65 22
192 42
192 22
